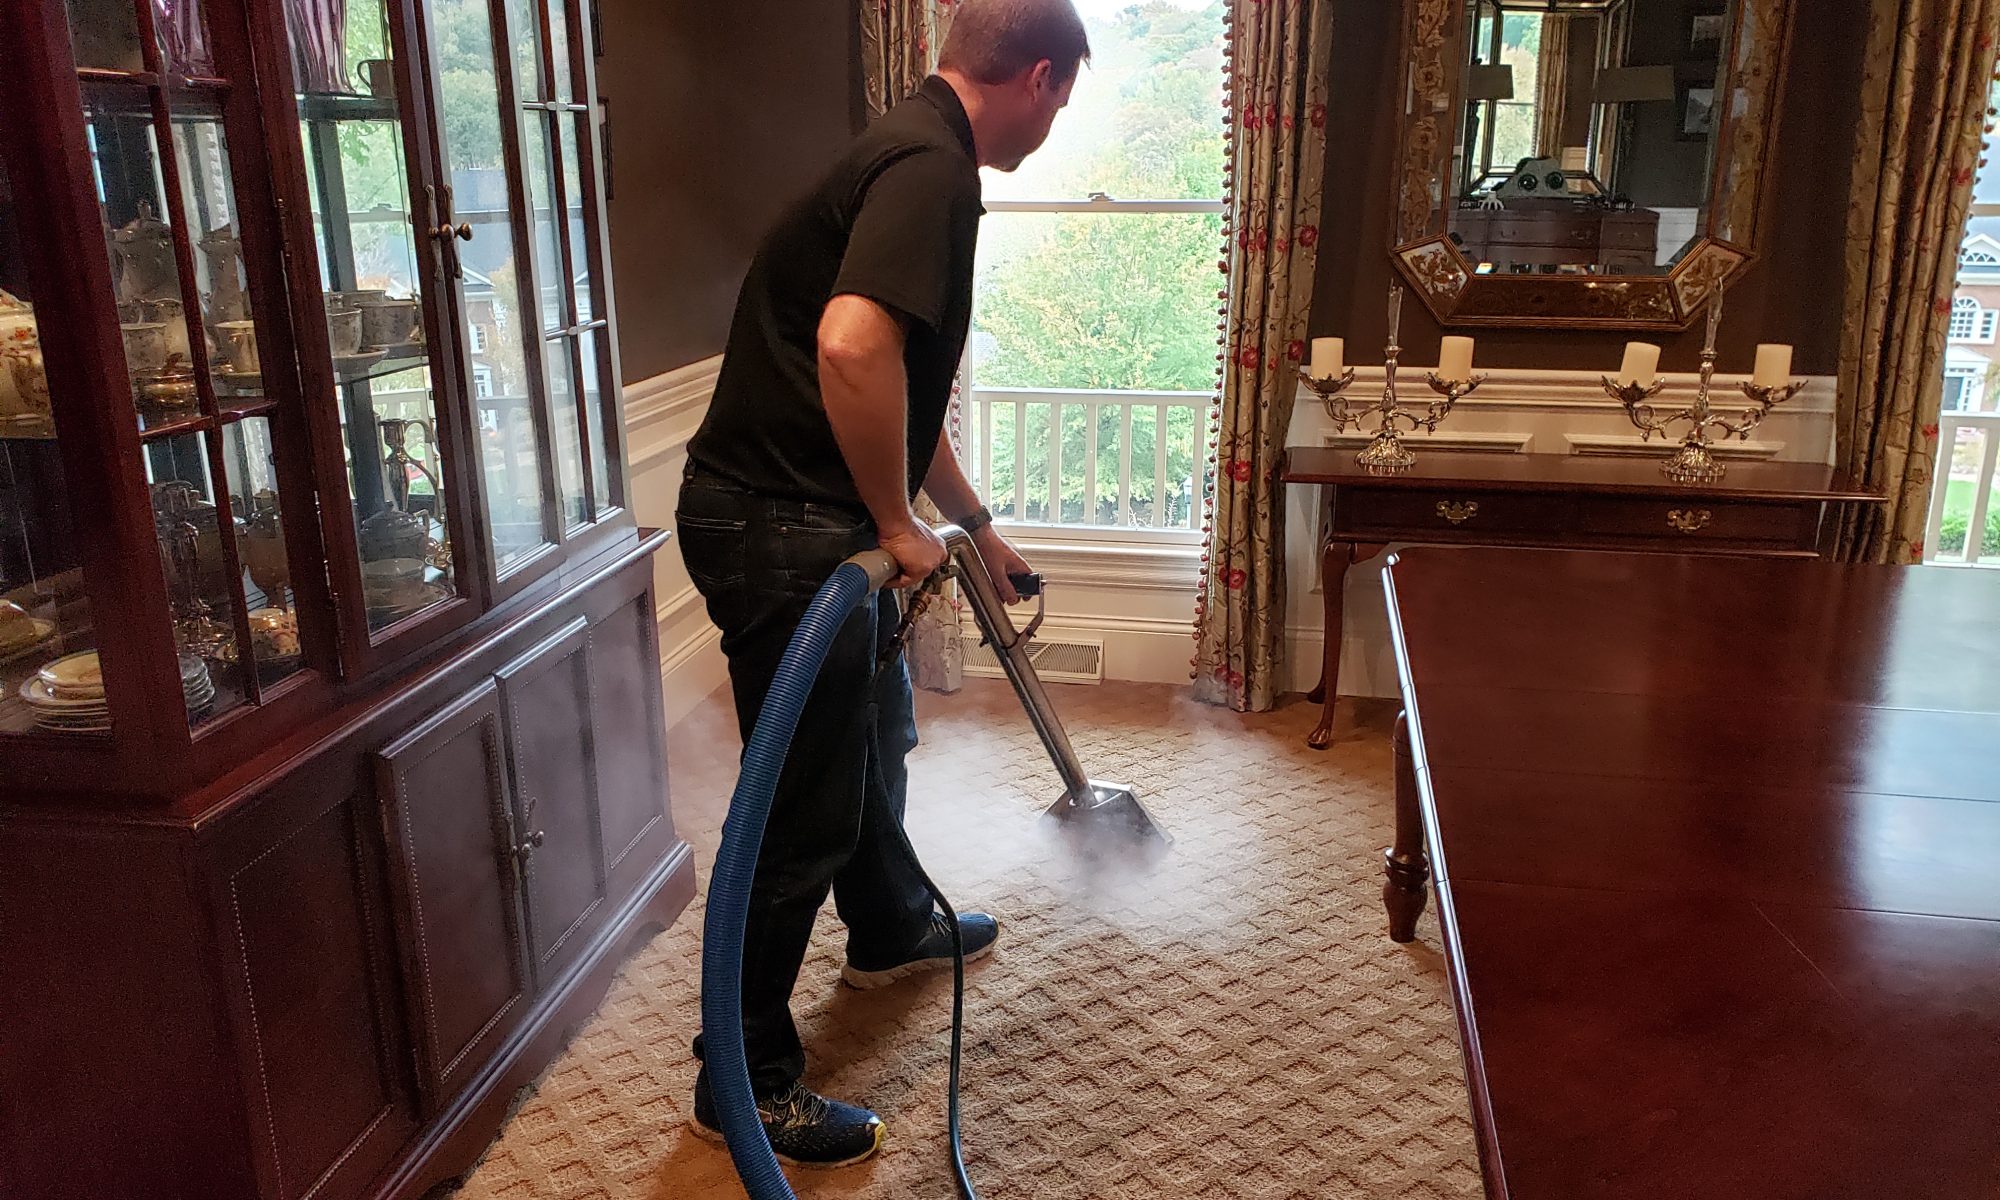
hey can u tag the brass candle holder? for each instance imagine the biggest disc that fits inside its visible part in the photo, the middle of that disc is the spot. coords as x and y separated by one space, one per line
1695 461
1385 452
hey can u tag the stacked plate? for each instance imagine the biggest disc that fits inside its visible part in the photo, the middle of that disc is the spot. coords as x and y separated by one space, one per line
67 696
27 639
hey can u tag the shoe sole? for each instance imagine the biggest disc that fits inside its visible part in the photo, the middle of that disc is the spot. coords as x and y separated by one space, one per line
714 1137
866 981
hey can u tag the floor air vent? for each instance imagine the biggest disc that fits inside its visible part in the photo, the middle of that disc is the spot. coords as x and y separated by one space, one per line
1057 660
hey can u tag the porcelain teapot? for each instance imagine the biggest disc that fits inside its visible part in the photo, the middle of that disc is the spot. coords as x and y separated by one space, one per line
224 252
143 251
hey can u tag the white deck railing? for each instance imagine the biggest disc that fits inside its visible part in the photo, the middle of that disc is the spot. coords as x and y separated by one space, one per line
996 421
1970 429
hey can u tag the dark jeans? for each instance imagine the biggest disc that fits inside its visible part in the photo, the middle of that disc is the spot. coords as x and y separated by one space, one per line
836 820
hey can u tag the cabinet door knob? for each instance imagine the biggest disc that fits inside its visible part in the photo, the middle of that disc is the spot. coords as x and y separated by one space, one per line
1689 520
531 844
1458 512
463 232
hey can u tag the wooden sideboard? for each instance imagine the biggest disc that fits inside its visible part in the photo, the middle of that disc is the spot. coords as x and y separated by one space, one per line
1531 235
1763 509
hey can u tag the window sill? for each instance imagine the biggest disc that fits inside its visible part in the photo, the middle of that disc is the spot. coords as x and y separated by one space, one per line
1140 559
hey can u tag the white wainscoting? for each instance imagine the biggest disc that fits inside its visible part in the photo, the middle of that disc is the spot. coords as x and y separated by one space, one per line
1514 412
1136 597
661 414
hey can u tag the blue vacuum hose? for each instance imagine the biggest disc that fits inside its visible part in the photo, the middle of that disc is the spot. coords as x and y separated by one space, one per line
853 584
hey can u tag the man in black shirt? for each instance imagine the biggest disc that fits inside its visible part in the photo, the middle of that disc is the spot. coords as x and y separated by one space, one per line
828 418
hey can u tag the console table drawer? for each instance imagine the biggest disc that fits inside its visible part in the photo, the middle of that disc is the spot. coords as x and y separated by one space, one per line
1696 520
1447 513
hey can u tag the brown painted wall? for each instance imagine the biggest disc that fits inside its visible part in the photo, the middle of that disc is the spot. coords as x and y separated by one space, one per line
720 113
1792 293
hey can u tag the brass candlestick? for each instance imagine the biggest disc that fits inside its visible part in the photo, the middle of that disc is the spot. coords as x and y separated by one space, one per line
1385 452
1695 461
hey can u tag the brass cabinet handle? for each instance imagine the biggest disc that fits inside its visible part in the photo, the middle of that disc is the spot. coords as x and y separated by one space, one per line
1689 520
464 232
533 843
1458 512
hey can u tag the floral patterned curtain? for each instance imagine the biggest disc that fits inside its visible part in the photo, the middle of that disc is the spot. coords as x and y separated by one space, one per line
900 41
1552 86
1277 62
1930 64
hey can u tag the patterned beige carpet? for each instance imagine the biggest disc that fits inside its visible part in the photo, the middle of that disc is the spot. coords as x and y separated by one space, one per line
1228 1021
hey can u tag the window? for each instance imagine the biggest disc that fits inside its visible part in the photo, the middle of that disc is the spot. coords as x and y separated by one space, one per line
478 337
1964 319
1964 522
482 381
1514 120
1092 357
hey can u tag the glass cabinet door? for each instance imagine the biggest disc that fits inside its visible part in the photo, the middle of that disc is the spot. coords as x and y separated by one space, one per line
560 138
374 299
48 672
517 148
156 100
494 273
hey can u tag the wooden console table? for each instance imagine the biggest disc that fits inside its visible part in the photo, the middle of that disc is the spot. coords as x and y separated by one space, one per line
1763 509
1714 845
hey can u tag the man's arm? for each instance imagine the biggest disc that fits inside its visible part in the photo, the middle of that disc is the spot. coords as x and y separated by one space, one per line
866 393
948 488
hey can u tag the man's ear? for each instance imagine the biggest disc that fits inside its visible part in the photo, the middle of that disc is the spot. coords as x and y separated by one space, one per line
1042 77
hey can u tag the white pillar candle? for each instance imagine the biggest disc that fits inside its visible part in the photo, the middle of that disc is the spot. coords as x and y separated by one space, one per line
1329 358
1774 366
1642 365
1455 360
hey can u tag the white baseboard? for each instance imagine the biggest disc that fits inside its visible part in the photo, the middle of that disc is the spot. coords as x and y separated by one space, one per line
691 662
692 673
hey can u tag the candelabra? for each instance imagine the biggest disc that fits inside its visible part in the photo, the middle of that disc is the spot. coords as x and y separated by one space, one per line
1695 461
1385 452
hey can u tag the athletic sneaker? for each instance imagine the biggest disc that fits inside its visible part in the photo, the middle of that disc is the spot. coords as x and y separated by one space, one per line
978 931
805 1129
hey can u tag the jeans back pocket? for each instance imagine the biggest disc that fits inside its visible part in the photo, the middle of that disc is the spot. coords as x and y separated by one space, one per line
712 548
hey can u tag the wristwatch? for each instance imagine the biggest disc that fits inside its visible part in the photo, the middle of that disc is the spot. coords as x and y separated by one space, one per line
980 519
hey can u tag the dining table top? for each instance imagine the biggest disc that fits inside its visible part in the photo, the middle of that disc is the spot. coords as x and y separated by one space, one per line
1716 845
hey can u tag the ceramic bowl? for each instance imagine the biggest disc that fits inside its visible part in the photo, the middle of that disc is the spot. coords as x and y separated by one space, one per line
392 582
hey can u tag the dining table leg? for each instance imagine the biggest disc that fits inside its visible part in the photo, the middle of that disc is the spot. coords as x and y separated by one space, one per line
1405 864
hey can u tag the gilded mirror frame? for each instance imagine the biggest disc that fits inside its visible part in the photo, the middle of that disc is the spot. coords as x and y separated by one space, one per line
1440 272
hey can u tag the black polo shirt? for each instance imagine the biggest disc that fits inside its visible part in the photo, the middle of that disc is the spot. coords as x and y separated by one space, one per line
895 220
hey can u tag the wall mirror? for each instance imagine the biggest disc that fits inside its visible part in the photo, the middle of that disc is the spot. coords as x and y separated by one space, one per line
1583 163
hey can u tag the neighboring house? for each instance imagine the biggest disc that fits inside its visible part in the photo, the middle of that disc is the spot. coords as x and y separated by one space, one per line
1973 351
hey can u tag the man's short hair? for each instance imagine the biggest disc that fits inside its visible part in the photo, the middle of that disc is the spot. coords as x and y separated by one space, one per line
993 41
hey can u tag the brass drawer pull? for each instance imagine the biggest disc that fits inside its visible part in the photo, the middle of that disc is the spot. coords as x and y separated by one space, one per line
1458 512
1689 520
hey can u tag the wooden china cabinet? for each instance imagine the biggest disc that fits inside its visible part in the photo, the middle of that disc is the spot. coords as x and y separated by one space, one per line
332 777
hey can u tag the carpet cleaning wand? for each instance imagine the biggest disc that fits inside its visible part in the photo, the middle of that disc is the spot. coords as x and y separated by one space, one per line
1086 804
